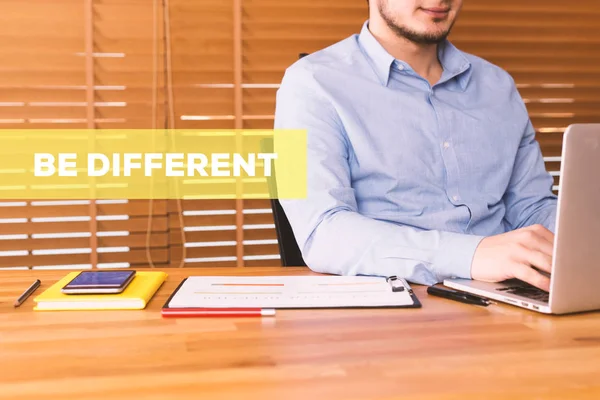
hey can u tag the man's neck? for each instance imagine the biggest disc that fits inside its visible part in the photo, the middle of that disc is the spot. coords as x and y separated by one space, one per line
423 59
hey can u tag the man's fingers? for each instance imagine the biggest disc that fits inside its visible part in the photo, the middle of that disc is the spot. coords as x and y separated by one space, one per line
531 276
534 241
543 247
534 252
536 259
542 232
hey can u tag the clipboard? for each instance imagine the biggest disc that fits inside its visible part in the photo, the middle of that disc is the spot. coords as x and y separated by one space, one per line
271 292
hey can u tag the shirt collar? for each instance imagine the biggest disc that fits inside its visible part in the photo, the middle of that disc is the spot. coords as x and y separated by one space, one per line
380 60
455 64
453 61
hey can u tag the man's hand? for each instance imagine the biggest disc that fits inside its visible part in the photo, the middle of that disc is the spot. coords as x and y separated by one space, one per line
513 254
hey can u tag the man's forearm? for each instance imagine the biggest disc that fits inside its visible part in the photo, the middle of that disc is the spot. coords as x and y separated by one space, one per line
348 243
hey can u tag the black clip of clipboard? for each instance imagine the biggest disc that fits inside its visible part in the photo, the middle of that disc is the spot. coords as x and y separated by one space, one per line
400 285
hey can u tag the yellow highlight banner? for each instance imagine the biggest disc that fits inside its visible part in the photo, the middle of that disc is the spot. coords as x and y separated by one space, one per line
152 164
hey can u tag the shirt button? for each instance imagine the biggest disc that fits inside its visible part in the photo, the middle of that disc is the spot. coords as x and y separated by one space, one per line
400 67
455 198
446 145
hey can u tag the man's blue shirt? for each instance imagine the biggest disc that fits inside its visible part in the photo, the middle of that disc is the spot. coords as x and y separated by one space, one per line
405 178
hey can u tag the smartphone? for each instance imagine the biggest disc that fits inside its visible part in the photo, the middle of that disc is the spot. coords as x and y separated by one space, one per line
99 282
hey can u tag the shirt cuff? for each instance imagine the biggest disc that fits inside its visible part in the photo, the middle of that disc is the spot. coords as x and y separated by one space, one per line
455 255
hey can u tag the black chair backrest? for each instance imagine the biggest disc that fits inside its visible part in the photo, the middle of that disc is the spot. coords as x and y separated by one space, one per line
290 253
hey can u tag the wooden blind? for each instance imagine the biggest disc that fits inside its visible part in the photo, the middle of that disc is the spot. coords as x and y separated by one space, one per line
205 62
53 56
217 64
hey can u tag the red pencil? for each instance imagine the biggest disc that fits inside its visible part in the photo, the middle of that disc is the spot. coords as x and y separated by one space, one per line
217 312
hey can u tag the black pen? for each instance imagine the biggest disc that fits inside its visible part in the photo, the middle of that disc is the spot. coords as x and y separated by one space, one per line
28 292
458 296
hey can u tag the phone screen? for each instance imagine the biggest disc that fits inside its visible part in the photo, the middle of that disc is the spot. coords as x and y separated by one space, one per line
100 278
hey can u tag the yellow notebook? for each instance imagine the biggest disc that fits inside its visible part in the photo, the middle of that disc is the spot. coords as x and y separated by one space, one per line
135 297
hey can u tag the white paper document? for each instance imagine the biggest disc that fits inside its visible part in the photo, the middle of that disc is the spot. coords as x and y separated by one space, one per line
288 292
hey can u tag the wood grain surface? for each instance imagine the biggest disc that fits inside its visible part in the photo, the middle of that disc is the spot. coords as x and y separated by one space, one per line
445 350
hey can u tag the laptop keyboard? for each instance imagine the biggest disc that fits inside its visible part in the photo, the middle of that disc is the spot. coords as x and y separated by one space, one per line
528 291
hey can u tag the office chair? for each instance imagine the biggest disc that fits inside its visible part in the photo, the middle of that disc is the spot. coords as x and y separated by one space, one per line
290 253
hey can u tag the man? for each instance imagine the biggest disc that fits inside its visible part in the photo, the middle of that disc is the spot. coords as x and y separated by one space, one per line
422 160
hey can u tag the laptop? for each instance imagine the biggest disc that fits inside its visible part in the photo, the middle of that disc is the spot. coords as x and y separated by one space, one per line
575 275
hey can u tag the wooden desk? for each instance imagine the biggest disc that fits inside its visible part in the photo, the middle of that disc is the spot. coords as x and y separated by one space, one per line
445 350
